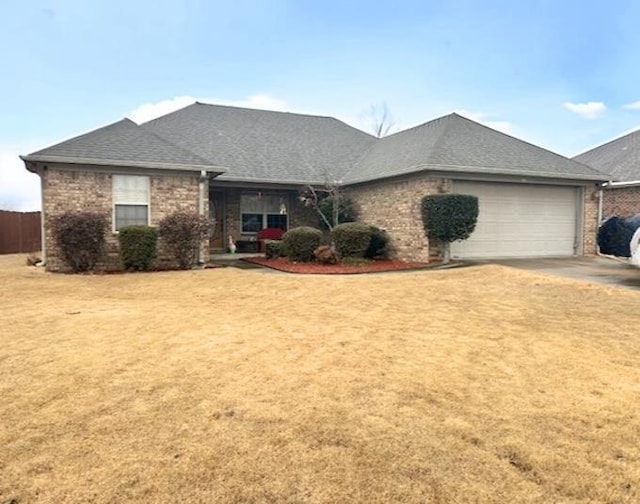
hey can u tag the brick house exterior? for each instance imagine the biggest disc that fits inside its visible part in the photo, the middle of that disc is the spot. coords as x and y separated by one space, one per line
76 188
623 201
394 205
620 159
245 168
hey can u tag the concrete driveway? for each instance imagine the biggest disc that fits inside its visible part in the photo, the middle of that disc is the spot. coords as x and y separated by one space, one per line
593 269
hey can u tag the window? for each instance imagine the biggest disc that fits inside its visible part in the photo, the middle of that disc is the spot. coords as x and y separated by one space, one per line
259 211
130 201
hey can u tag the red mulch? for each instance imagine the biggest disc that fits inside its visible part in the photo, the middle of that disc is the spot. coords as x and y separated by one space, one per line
282 264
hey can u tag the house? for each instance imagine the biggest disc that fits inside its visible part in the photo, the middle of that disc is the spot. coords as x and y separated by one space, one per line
621 159
245 168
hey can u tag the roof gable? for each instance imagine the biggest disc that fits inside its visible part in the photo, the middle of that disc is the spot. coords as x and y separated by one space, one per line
265 146
454 143
122 143
619 157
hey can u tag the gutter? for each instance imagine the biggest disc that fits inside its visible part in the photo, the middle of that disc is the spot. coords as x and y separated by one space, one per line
614 185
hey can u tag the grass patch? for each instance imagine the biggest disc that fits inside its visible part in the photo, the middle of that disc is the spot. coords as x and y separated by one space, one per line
481 384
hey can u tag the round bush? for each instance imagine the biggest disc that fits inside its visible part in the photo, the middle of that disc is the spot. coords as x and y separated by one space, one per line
351 239
379 244
138 247
300 242
273 249
80 238
184 233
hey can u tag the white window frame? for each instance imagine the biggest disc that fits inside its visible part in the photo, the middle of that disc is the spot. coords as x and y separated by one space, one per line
131 202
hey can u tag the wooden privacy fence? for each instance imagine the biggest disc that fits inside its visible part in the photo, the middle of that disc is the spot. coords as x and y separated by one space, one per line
19 232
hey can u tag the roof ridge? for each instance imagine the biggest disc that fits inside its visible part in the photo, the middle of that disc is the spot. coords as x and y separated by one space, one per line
615 140
174 145
237 107
548 151
82 135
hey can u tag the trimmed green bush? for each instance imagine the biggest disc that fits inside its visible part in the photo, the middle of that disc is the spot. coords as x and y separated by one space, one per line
80 238
379 245
449 217
326 254
273 249
183 233
138 247
300 242
351 239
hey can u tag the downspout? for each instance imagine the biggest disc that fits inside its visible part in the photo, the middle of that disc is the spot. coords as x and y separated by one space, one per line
600 202
43 236
201 182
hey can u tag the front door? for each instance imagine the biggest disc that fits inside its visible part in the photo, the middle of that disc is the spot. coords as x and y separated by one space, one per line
216 214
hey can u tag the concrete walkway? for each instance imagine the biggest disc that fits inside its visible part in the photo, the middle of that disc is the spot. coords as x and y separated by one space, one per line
595 269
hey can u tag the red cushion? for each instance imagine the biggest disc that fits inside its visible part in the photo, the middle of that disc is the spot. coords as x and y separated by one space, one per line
270 234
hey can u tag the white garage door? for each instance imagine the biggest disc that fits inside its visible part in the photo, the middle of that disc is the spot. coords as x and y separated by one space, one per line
519 220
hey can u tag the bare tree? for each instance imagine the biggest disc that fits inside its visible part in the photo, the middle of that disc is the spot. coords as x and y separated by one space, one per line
381 120
329 202
314 196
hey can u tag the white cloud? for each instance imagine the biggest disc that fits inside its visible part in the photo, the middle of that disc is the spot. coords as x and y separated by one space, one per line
148 111
483 118
633 106
19 189
588 110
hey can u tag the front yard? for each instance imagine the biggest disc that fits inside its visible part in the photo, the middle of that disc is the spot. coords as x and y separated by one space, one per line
484 384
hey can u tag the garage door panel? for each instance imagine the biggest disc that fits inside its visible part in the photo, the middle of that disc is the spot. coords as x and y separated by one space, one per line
518 220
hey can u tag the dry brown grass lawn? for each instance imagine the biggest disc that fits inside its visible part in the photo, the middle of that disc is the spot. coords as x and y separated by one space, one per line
483 384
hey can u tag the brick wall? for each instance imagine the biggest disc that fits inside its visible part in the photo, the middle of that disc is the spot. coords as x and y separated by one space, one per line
66 189
394 205
622 201
590 221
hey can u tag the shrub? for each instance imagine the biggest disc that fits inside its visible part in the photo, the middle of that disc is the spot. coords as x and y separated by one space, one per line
300 243
326 254
379 247
351 239
80 238
138 247
183 234
273 249
449 217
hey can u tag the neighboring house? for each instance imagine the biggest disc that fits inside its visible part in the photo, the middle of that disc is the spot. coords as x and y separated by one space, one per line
621 159
246 167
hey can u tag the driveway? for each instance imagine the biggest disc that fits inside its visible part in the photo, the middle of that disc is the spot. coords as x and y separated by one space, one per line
593 269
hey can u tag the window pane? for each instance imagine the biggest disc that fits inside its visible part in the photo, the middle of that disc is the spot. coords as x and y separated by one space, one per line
277 221
130 189
131 215
272 204
251 222
250 203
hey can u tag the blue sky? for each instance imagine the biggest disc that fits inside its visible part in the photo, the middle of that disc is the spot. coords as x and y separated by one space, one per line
560 74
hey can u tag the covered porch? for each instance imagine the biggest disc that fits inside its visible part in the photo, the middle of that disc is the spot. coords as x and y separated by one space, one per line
239 213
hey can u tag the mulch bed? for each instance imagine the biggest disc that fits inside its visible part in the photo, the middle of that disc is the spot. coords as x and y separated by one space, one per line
282 264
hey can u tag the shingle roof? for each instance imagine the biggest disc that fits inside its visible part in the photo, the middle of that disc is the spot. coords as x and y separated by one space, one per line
265 146
620 157
122 143
262 146
455 144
